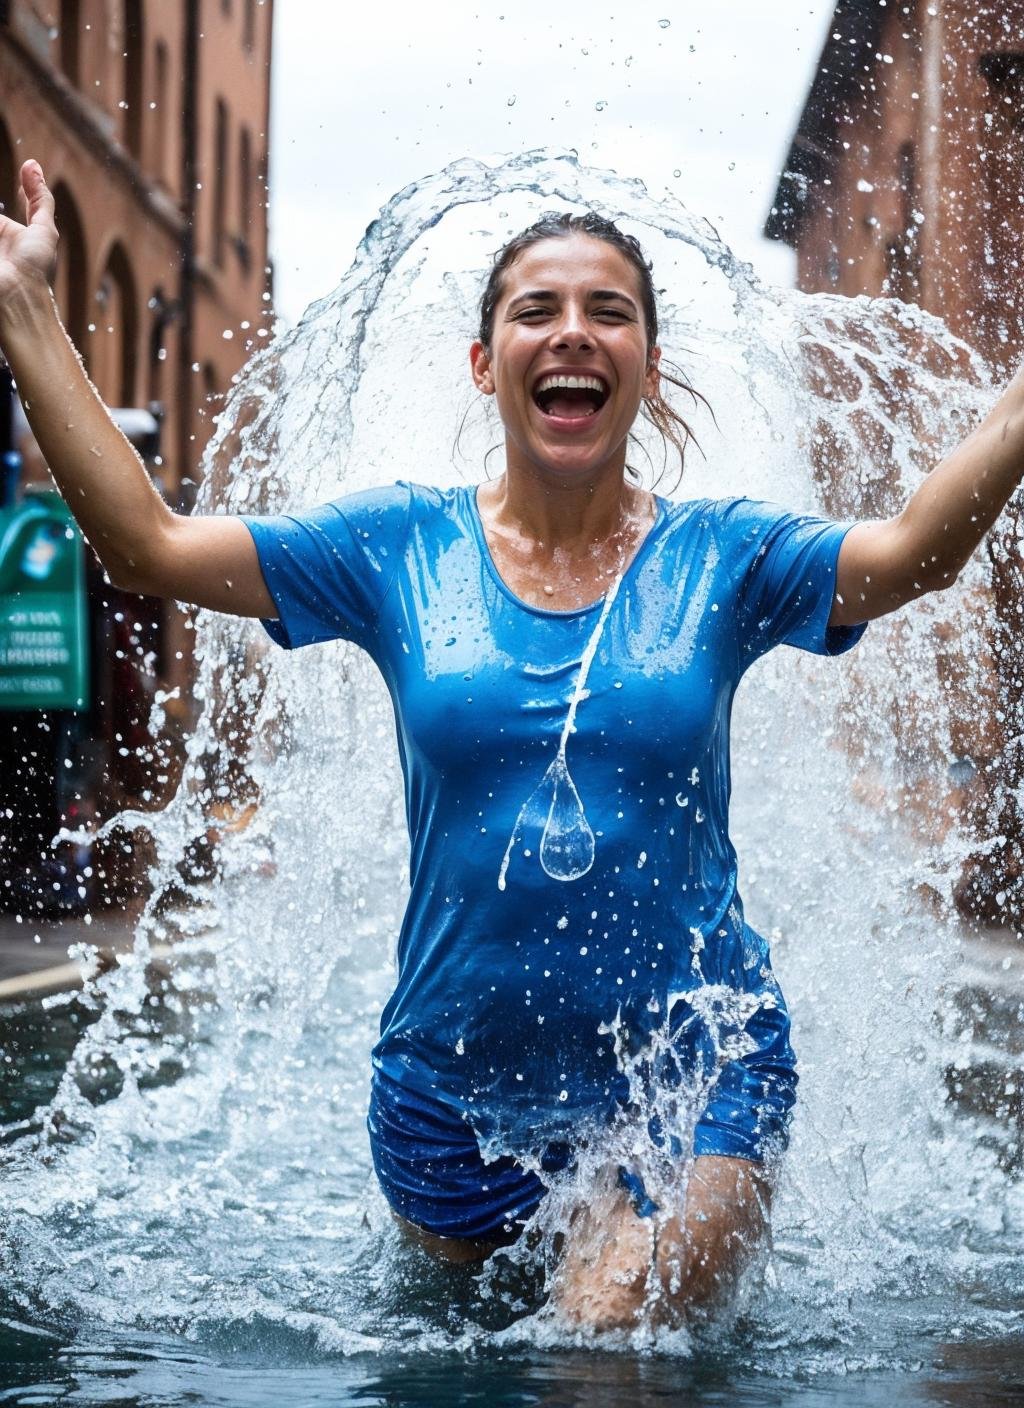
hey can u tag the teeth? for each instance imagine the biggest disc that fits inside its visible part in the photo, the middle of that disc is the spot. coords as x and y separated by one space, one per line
569 383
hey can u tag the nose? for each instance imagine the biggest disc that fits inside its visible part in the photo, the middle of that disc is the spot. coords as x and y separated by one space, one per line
571 332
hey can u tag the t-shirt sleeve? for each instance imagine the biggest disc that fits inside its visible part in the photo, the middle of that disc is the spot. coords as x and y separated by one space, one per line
789 581
329 570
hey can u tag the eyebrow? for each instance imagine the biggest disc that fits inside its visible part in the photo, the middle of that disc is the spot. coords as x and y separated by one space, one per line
602 295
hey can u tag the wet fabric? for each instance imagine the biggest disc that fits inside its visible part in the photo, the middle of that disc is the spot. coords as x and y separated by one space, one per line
542 983
432 1170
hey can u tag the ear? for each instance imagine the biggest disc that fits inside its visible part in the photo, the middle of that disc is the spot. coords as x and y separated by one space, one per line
652 377
480 362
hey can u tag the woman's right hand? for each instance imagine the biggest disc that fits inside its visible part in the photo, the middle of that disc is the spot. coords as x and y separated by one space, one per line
28 252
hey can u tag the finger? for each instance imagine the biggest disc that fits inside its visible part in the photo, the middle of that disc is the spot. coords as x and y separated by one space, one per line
36 194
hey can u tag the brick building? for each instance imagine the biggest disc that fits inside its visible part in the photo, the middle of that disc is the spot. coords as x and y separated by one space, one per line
151 121
905 178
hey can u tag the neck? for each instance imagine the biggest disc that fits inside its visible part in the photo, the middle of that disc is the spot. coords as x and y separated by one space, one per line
560 514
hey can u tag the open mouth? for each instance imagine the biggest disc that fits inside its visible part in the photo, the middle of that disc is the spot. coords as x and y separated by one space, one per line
564 397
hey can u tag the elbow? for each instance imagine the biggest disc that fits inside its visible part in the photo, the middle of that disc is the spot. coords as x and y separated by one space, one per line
934 573
139 567
936 578
126 575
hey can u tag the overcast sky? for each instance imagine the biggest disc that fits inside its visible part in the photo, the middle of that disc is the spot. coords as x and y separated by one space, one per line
698 97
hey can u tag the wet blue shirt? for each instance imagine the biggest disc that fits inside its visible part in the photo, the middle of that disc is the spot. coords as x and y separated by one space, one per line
566 882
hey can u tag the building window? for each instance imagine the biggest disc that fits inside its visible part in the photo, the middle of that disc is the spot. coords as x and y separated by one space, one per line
220 180
163 313
134 53
161 113
71 281
70 41
903 251
244 197
115 339
249 29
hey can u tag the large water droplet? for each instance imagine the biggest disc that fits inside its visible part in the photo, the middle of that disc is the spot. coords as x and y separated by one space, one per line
567 845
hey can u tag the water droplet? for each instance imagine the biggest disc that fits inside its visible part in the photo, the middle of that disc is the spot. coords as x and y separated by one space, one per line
664 24
460 1048
567 845
601 104
677 173
510 101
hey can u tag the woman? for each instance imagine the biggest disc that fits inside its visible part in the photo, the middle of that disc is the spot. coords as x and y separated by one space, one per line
562 648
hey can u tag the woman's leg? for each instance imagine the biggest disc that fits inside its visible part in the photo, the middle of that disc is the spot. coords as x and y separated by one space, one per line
683 1263
705 1247
456 1250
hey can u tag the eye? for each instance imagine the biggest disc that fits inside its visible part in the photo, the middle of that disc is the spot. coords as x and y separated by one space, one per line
618 315
531 313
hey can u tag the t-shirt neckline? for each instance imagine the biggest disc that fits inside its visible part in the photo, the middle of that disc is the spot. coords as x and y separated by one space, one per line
477 524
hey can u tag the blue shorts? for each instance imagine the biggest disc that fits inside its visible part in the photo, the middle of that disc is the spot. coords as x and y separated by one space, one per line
432 1172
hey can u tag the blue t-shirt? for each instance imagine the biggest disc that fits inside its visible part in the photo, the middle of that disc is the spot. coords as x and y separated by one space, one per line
571 867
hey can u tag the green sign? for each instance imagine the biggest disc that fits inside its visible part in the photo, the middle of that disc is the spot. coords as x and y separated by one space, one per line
43 640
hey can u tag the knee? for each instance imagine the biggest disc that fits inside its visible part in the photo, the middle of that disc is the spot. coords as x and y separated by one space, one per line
689 1263
699 1263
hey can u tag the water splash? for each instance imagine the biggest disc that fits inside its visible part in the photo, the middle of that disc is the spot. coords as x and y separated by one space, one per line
203 1169
567 845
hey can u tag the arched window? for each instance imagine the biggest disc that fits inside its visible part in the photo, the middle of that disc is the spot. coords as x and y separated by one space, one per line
903 251
220 179
70 41
70 287
134 54
8 175
162 112
244 197
249 26
115 340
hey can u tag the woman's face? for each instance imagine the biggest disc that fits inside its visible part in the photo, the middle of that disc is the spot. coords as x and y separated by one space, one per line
570 312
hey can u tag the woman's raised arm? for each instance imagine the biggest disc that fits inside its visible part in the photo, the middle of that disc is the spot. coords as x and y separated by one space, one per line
884 565
143 545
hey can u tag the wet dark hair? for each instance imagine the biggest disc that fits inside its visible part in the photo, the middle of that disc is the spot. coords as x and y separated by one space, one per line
660 413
